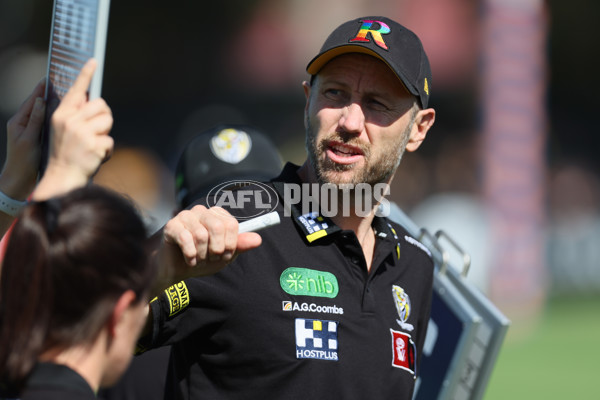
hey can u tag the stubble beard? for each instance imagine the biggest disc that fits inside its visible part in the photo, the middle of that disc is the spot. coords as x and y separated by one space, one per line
376 169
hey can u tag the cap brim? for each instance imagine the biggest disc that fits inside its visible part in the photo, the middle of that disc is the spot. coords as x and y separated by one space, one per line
320 60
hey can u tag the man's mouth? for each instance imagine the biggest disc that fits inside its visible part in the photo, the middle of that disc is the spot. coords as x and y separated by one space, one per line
343 153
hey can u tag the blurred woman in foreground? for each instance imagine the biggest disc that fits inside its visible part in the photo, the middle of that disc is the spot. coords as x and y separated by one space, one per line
73 295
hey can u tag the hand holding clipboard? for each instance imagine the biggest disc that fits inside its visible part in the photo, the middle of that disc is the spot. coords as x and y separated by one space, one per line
79 143
79 140
78 33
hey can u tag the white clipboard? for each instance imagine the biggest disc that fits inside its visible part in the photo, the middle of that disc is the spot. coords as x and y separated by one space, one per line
78 33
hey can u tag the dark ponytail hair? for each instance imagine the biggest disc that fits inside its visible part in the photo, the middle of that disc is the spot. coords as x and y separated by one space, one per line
67 262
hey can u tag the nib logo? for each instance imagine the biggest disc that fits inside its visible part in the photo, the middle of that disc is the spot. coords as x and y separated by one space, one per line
309 282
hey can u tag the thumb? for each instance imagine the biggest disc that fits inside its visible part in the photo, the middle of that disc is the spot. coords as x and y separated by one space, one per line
248 241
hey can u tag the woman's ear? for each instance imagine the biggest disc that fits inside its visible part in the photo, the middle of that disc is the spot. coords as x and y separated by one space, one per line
119 310
423 121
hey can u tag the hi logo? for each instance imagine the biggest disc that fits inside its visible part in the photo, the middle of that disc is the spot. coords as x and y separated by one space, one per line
309 282
365 28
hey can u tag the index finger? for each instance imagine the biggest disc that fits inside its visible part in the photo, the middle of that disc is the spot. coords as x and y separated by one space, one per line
81 84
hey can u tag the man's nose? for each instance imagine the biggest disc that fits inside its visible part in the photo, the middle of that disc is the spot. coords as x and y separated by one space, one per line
352 119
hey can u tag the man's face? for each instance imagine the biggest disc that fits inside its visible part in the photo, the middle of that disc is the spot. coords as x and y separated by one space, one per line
358 119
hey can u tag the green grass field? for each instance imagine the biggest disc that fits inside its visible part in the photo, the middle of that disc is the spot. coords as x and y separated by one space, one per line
559 359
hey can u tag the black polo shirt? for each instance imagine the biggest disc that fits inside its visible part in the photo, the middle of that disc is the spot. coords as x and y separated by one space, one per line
50 381
300 317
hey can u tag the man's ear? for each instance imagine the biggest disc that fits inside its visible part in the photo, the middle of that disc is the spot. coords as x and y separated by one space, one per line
423 121
118 312
306 86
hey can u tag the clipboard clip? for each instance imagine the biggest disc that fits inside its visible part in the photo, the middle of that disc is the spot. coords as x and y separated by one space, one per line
434 241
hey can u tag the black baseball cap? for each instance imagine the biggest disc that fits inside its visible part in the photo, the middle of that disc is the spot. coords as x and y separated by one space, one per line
220 154
387 40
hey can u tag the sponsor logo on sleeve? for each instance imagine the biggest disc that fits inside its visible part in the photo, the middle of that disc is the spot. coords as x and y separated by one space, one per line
309 282
316 339
178 296
404 351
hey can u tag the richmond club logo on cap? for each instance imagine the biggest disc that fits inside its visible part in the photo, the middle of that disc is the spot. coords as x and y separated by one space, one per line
377 35
231 145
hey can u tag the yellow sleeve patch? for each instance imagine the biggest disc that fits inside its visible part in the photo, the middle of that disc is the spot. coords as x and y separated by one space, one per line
179 297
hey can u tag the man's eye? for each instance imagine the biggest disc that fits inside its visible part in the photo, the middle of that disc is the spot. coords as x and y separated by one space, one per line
377 105
333 93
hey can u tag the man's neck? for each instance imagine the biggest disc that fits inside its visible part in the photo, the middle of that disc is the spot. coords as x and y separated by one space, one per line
361 225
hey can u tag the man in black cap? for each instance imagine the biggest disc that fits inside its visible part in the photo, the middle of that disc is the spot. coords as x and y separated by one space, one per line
335 302
224 153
